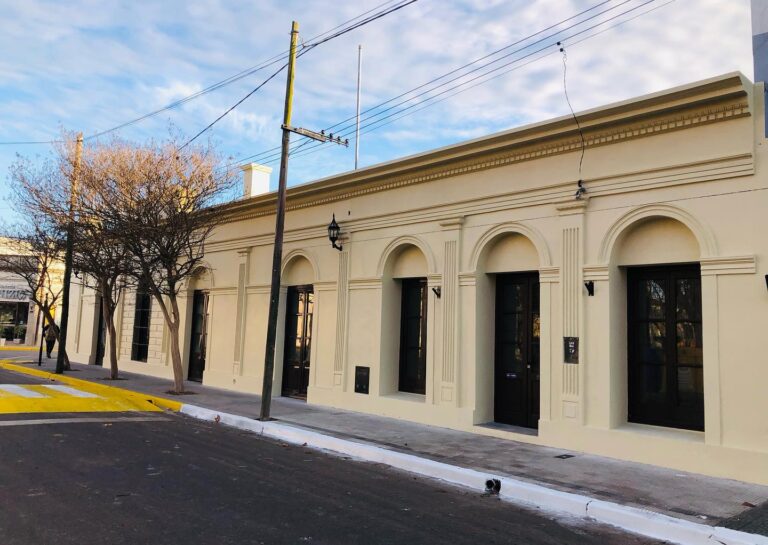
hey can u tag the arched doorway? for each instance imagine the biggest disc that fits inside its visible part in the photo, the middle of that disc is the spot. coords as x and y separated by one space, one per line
658 260
198 320
404 339
298 277
508 302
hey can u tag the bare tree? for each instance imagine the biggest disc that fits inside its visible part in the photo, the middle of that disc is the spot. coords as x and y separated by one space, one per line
34 253
99 256
160 199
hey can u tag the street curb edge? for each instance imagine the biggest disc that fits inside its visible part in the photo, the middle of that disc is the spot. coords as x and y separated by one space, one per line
633 519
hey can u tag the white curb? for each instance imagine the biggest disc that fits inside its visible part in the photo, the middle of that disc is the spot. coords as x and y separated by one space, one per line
633 519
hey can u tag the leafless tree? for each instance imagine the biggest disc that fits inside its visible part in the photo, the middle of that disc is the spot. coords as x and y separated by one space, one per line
159 198
34 252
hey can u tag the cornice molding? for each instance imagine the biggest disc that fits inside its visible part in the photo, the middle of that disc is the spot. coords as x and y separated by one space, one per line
745 264
370 283
516 152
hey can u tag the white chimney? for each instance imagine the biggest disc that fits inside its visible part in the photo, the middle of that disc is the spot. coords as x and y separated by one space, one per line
255 179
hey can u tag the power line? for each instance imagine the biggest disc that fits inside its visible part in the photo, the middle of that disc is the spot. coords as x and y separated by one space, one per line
268 154
218 85
375 124
305 49
212 123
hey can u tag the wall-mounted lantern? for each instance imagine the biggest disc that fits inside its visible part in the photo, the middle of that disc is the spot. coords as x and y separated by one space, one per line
333 233
590 285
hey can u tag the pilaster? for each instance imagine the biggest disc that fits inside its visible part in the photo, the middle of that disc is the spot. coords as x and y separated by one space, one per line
243 274
572 369
448 378
342 317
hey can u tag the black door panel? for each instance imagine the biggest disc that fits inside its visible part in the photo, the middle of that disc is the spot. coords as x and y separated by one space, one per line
413 336
198 335
299 311
665 346
517 377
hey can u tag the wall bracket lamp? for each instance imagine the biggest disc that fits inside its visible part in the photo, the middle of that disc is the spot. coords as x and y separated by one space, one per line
437 291
590 285
333 233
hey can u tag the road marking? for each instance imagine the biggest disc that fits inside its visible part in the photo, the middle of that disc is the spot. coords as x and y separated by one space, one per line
20 390
68 390
59 398
41 421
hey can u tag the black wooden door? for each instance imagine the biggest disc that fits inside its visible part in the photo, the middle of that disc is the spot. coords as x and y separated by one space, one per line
298 340
517 374
198 337
666 373
413 336
100 334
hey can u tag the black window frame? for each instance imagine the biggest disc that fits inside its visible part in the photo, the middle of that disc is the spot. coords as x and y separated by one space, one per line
142 319
407 382
668 412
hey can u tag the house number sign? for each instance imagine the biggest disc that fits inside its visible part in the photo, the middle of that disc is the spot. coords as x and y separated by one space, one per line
571 349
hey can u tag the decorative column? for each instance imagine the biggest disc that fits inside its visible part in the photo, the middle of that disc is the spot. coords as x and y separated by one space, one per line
449 295
243 275
342 316
548 279
712 268
572 369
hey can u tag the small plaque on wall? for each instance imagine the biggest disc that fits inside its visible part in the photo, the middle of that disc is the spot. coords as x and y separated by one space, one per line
362 379
571 349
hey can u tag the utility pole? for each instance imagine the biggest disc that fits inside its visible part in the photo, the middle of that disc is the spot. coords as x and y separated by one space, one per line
68 257
357 117
277 256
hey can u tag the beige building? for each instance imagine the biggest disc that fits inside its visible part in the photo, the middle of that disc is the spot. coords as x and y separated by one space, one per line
20 318
478 288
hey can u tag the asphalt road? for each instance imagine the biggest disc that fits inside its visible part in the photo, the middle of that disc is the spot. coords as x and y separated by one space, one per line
172 480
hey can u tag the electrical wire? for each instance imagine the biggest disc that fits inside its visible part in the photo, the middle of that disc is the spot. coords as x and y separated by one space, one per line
573 113
305 49
218 85
548 46
267 155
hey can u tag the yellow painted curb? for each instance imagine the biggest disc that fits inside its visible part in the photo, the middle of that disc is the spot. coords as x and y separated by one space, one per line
92 387
19 348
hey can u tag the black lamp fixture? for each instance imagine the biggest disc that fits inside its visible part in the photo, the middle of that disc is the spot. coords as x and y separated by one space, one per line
333 233
590 285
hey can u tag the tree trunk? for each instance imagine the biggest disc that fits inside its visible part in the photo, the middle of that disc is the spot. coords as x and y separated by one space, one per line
178 370
108 310
172 321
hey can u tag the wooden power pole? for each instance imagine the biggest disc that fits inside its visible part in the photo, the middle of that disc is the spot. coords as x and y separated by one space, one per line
277 256
68 257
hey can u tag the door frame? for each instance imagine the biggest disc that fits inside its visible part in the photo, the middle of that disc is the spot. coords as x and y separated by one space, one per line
424 287
306 359
635 412
532 283
203 333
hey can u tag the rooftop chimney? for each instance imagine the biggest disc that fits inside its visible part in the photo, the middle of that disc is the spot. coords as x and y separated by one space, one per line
255 179
760 44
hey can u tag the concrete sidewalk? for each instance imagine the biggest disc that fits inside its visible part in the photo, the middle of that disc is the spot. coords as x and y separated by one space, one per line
686 496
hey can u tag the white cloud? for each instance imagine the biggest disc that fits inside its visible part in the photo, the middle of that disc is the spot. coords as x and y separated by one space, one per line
90 65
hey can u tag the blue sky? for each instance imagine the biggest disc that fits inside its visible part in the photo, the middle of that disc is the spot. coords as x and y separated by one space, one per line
90 65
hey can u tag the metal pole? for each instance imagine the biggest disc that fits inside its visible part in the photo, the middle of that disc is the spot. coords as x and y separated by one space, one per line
68 257
357 117
42 335
277 256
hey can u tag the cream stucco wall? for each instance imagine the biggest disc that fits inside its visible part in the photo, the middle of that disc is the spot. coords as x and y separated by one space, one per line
674 177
